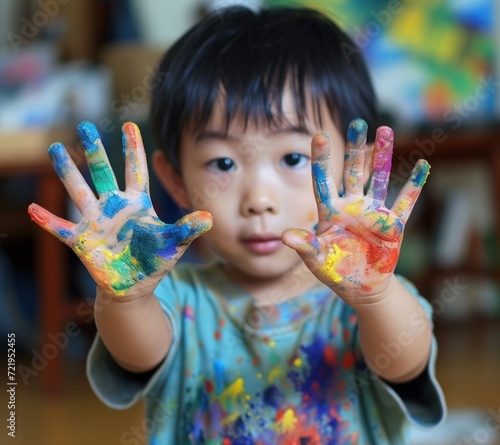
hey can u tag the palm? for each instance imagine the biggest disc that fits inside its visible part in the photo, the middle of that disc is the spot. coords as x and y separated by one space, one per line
358 239
120 239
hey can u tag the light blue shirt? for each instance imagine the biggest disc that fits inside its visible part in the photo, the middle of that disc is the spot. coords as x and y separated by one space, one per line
242 375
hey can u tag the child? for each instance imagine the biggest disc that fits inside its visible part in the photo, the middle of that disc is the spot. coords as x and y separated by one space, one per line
298 332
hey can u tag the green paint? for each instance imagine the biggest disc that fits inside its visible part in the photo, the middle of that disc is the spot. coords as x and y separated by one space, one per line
420 173
100 170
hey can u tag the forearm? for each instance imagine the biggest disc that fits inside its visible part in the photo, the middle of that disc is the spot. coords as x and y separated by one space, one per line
136 332
395 334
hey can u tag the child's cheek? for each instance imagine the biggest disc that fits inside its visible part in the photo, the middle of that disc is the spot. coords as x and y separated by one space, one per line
312 217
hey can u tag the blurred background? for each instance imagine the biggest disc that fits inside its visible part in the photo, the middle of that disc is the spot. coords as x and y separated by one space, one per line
436 68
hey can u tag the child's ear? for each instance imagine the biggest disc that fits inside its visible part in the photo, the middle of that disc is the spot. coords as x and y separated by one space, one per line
170 179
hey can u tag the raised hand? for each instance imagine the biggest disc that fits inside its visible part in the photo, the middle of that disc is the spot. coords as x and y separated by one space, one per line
119 239
358 239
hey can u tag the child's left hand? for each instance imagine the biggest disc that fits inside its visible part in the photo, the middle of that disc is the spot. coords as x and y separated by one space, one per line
358 239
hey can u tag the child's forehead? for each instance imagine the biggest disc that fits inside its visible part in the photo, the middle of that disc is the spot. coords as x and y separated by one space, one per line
284 112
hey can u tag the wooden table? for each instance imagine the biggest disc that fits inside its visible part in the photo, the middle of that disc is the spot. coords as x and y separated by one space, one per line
26 154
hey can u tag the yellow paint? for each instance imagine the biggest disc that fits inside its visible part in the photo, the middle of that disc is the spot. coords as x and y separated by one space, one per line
333 258
274 374
230 397
287 422
259 375
272 343
402 206
356 208
230 418
297 362
233 391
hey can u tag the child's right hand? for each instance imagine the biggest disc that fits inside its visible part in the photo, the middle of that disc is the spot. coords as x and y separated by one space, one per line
120 239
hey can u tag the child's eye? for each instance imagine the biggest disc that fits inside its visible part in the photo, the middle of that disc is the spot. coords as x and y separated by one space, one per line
295 160
222 164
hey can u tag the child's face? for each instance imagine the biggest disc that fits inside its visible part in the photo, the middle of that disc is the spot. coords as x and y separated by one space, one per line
256 183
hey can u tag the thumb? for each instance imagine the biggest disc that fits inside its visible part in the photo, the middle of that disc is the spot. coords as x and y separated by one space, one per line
191 226
303 242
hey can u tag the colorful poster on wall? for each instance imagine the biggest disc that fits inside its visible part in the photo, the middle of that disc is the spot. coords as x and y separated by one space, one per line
431 60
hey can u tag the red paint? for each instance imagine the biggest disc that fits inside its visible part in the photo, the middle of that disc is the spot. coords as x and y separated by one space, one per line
330 355
189 312
209 386
217 335
348 360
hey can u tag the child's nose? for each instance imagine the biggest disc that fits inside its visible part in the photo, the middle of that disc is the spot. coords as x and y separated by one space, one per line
259 199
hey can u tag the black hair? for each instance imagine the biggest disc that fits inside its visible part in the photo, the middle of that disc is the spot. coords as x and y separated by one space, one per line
252 57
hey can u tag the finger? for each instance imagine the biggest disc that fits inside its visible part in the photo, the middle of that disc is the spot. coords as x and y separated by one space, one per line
60 228
173 237
407 197
97 159
193 225
380 169
78 189
305 243
355 157
136 167
324 184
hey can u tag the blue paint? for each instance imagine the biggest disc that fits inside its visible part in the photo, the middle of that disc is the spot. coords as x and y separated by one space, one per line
357 129
126 228
272 396
89 136
219 376
65 233
114 203
146 200
59 158
124 145
146 243
420 173
321 184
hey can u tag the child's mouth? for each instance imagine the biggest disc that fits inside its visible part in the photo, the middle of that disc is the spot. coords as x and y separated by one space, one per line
263 244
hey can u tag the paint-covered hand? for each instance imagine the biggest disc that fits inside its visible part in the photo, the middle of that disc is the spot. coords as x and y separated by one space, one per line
120 239
358 239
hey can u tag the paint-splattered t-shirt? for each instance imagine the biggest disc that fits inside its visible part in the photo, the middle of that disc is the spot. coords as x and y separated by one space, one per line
237 374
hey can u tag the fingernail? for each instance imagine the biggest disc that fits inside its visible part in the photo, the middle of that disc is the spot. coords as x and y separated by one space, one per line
357 129
420 172
89 135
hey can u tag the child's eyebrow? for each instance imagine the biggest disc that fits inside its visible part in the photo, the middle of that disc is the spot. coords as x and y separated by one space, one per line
292 129
215 134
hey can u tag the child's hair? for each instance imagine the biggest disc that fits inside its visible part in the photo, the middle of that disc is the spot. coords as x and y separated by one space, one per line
251 58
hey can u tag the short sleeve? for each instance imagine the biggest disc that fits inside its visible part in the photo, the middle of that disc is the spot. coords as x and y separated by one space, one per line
421 400
119 388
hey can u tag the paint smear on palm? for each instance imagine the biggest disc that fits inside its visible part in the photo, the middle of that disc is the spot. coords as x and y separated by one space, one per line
333 258
150 246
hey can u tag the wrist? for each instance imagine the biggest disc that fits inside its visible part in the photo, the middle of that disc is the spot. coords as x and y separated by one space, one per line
362 299
104 298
